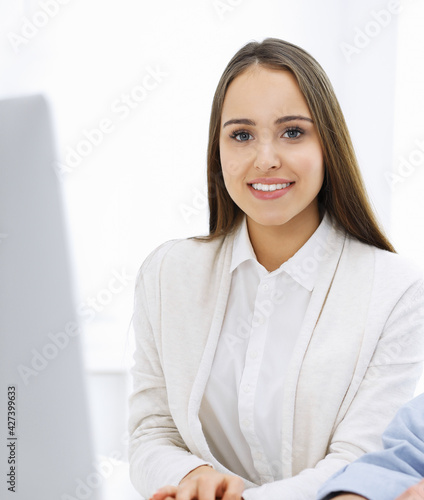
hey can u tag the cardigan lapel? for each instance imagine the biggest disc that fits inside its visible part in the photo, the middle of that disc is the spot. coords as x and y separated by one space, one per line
190 333
205 366
328 376
327 260
337 317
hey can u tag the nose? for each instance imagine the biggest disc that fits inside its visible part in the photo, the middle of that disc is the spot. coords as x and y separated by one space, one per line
267 157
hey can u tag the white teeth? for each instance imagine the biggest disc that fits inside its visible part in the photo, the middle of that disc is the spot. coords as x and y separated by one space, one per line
269 187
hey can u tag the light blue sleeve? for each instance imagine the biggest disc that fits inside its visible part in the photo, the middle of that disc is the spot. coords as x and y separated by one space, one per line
386 474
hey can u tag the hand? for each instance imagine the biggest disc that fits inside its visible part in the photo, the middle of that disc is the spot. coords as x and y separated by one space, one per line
415 492
203 483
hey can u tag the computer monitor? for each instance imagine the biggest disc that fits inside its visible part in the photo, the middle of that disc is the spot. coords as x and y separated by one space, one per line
46 446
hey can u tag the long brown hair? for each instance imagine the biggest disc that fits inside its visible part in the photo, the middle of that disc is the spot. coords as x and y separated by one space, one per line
343 193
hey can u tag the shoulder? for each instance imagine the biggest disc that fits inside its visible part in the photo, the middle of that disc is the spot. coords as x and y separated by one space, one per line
387 267
396 266
399 281
183 272
188 256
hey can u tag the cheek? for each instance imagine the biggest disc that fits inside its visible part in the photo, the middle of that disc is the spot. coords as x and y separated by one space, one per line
235 164
230 167
311 162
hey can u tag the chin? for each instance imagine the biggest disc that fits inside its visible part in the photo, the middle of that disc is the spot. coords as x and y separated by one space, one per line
271 220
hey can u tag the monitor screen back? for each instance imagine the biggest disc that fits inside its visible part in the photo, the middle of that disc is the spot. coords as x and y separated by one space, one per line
46 449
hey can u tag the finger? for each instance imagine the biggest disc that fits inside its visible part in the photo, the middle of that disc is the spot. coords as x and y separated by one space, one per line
414 493
164 493
210 488
233 488
187 490
420 489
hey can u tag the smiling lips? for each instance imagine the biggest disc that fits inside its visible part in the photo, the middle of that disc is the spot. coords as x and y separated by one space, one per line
269 188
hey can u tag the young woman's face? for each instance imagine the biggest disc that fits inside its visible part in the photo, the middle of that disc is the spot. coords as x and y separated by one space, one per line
271 158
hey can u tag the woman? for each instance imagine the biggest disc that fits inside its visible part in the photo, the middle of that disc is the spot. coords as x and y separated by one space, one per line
275 350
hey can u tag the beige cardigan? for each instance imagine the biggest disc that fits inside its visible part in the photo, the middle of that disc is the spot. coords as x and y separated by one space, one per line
357 360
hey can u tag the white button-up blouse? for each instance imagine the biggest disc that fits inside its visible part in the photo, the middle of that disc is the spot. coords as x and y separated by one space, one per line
241 411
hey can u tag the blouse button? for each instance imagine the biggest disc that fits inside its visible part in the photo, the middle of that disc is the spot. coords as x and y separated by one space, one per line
262 469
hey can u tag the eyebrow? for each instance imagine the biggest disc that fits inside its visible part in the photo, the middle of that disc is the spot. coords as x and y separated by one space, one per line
278 121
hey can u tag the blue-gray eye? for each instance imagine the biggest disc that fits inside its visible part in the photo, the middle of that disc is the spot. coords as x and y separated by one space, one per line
241 136
292 133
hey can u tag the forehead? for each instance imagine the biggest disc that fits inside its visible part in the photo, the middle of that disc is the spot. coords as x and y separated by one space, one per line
264 91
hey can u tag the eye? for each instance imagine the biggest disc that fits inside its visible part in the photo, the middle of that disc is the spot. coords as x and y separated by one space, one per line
241 136
293 133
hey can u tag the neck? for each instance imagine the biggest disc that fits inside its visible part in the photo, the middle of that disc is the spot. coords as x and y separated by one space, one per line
274 245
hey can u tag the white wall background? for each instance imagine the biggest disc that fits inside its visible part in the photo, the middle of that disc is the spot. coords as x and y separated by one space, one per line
132 190
407 180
